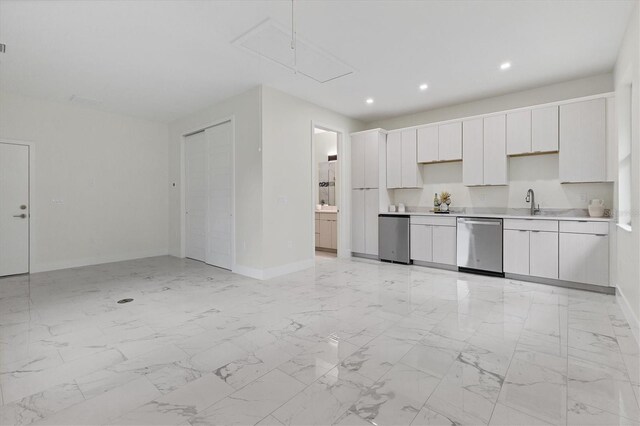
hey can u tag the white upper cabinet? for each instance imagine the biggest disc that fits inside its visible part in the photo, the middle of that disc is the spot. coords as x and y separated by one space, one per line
428 144
519 132
357 160
394 160
364 160
583 141
544 129
450 142
472 152
410 170
495 150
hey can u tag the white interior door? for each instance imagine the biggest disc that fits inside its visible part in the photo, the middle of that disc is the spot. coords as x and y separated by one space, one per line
220 220
195 149
14 209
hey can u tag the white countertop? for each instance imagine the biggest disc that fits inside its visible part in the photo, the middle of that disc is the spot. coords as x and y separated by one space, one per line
327 211
503 215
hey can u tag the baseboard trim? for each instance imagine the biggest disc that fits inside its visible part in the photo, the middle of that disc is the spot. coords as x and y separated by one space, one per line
365 256
276 271
628 313
561 283
435 265
76 263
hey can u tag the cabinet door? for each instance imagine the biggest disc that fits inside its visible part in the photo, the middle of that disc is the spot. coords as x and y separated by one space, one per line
357 160
394 160
371 157
495 150
420 242
543 258
584 258
472 152
544 129
371 210
450 142
519 132
357 220
428 144
334 234
444 245
583 141
410 169
325 233
516 251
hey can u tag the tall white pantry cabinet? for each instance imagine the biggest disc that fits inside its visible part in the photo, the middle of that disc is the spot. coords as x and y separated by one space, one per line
365 192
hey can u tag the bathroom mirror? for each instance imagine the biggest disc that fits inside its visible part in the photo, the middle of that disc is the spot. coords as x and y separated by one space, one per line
327 183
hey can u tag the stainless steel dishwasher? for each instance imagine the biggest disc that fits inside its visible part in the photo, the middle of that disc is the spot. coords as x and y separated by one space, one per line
393 238
480 245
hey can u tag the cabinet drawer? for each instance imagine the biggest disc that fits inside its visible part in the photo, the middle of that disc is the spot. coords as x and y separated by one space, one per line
326 216
584 227
432 220
531 225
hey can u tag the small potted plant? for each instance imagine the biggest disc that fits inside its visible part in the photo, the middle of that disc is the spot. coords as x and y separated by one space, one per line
445 201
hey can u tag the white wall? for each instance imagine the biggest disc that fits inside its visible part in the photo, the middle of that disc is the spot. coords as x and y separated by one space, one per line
245 109
627 71
108 170
288 203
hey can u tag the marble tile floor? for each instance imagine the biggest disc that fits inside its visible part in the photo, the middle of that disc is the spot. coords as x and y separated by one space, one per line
349 342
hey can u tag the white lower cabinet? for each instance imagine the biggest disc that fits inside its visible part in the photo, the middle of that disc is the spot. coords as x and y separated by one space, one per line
543 254
421 237
357 221
444 245
364 221
516 251
584 258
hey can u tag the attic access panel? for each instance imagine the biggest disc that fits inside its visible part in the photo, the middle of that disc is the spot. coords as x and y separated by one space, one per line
272 41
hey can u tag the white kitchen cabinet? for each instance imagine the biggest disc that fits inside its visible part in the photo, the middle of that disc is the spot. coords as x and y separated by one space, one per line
428 144
394 160
357 221
584 258
472 152
421 243
450 142
495 150
519 132
357 161
371 210
364 160
583 141
516 251
410 170
544 129
444 245
543 249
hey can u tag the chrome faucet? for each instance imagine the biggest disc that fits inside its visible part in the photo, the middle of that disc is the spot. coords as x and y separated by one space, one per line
531 198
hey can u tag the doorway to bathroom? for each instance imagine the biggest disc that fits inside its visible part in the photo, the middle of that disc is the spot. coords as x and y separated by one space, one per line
326 175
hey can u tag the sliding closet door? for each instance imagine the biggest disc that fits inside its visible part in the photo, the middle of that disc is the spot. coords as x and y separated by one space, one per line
195 149
220 177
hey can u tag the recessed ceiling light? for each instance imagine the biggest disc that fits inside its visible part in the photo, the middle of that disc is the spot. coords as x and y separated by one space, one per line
369 101
505 66
423 87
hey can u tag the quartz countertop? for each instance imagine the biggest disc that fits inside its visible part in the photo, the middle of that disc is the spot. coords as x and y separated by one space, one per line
550 214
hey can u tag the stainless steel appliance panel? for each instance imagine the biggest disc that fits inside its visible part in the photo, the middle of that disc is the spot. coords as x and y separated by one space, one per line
480 244
393 238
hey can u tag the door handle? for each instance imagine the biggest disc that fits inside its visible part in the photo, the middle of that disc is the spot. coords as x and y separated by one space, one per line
21 216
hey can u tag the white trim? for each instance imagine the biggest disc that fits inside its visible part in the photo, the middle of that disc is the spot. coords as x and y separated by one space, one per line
624 227
506 111
628 313
183 202
88 261
32 197
343 227
377 129
268 273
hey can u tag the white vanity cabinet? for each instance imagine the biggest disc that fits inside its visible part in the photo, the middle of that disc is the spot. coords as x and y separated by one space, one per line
584 252
531 247
433 239
326 230
583 141
403 170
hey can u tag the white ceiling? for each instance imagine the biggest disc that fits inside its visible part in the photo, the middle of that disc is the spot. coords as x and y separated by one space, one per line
164 59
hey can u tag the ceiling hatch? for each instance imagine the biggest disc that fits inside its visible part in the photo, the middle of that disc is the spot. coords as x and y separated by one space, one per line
272 41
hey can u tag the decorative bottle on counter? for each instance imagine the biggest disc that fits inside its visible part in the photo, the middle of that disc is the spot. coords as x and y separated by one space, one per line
436 202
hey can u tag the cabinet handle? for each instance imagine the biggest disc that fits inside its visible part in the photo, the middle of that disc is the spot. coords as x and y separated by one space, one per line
522 230
535 231
601 235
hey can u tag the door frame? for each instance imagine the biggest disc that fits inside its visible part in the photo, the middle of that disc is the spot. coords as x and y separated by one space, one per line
343 227
183 199
31 196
